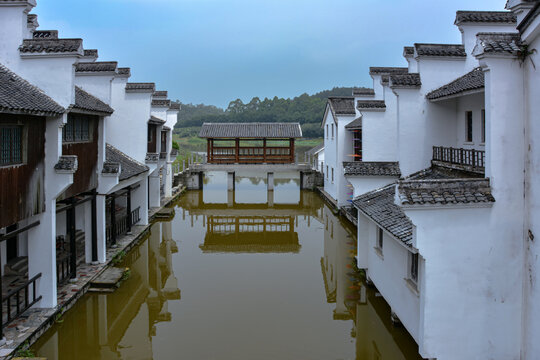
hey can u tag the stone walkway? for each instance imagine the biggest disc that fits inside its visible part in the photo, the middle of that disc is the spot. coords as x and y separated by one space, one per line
29 326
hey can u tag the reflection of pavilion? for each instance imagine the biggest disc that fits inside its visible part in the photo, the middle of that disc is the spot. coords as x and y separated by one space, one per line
120 325
250 234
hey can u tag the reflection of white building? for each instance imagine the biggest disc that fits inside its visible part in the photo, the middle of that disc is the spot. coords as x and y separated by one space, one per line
121 325
450 244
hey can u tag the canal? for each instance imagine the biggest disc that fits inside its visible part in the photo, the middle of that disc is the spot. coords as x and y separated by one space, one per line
248 274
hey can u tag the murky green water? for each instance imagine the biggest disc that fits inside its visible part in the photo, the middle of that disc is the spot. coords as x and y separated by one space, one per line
243 275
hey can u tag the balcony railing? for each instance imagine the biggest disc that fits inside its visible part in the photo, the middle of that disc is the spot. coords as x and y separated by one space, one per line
19 300
122 225
470 159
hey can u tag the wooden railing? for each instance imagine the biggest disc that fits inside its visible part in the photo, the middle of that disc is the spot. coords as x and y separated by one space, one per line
63 267
251 155
458 156
19 300
122 224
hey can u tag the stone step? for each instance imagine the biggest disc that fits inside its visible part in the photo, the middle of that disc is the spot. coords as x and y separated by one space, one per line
110 278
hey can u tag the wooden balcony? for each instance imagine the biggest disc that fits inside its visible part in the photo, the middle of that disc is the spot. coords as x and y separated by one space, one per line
460 159
251 155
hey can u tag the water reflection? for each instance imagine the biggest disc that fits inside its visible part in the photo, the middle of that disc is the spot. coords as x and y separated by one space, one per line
121 325
250 276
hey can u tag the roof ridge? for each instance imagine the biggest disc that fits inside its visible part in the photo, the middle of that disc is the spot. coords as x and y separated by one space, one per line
124 154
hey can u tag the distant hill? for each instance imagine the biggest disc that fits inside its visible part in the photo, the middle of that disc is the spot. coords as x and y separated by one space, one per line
305 109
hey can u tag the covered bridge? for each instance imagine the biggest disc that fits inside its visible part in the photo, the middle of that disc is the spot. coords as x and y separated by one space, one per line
250 143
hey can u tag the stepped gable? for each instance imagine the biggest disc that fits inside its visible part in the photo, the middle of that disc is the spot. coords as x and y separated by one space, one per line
251 130
370 104
91 53
129 167
45 34
371 168
408 51
51 45
362 91
87 102
501 17
440 50
379 206
471 81
140 87
98 66
18 96
162 103
405 80
342 105
497 43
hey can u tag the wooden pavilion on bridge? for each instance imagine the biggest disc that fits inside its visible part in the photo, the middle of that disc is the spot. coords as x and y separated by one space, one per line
250 143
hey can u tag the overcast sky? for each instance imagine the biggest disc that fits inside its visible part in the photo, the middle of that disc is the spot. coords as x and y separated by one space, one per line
214 51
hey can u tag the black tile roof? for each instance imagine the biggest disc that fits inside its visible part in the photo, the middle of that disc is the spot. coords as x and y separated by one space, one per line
372 168
87 102
362 91
355 124
497 43
452 50
67 163
98 66
251 130
160 93
129 167
32 19
140 87
51 46
91 53
45 34
156 121
174 106
504 17
473 80
163 103
405 80
315 149
124 71
408 51
370 104
19 96
342 105
445 191
379 206
377 70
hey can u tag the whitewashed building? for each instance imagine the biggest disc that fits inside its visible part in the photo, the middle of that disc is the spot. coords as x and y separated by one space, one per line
450 245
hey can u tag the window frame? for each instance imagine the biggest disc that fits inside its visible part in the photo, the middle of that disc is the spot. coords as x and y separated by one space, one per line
413 268
380 238
332 126
483 126
73 130
469 123
20 160
332 175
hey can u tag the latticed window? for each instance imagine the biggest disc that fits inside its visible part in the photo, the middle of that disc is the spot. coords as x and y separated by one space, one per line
11 145
77 129
357 144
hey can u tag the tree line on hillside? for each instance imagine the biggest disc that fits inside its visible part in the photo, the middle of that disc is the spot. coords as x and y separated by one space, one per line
305 109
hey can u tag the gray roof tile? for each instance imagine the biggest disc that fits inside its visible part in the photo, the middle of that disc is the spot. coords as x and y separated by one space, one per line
362 91
174 106
251 130
452 50
379 206
504 17
315 149
98 66
160 93
67 163
370 104
371 168
405 80
473 80
124 71
342 105
408 51
528 20
156 121
444 191
383 70
110 167
91 53
140 87
355 124
87 102
161 103
51 46
129 167
497 43
45 34
19 96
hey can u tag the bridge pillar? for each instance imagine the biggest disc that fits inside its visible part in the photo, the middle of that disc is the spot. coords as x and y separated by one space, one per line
230 198
230 180
270 181
270 197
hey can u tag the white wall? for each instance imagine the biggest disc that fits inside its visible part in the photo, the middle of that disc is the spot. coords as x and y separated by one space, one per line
330 156
474 103
98 85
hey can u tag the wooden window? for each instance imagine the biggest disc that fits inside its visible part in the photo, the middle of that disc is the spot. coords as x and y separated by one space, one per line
468 126
77 129
483 125
357 145
380 238
164 141
413 267
150 132
11 139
